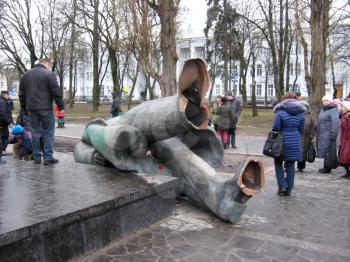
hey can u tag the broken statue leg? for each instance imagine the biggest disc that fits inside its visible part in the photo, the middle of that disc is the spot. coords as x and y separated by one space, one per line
119 144
223 194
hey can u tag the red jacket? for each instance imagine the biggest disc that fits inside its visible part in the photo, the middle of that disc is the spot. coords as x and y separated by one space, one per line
344 155
58 112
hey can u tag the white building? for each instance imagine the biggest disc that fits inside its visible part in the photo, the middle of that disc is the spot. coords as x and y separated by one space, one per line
3 81
195 47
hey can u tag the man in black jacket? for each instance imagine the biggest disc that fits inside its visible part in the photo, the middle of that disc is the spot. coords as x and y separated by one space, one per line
5 120
37 91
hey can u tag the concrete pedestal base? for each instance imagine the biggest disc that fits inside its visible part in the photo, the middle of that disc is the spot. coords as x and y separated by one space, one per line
53 213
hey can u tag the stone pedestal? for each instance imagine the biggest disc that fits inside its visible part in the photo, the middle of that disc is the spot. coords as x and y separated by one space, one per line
53 213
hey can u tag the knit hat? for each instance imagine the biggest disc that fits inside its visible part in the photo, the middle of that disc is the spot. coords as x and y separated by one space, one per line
346 104
17 130
327 97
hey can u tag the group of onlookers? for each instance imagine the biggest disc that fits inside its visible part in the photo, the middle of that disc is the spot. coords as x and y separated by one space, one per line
33 132
332 129
225 114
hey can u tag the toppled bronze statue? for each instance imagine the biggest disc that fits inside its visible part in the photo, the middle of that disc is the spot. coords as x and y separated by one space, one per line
174 131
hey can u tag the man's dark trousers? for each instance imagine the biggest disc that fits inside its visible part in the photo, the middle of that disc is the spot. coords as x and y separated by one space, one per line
4 136
42 122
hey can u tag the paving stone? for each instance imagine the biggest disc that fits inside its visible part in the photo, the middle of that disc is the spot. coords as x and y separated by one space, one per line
199 258
279 251
166 259
246 243
183 251
102 258
116 251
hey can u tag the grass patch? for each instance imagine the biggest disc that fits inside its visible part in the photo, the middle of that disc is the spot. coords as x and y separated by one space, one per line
259 125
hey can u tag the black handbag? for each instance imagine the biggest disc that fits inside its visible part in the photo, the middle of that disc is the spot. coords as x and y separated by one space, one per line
331 159
273 146
311 153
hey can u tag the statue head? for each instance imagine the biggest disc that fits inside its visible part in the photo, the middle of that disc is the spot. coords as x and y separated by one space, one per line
193 85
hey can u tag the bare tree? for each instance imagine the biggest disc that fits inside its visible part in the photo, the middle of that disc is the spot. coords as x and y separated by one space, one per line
143 42
17 31
275 29
315 71
167 10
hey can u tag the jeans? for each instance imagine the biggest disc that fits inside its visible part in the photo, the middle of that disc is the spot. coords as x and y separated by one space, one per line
285 181
42 124
232 133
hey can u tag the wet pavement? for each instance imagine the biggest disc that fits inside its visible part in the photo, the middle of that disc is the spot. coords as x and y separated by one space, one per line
313 224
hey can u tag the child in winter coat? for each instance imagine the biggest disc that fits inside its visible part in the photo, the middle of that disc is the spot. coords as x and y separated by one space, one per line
22 142
60 117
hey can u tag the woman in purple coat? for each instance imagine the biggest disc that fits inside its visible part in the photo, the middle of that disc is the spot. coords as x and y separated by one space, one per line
289 122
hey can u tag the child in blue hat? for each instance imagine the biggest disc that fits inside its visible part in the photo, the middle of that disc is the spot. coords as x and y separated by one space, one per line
22 142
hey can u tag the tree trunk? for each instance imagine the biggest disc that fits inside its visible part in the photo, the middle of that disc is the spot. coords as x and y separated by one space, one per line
332 71
296 64
319 34
134 80
167 11
61 77
112 52
272 45
254 107
95 59
266 83
71 56
243 87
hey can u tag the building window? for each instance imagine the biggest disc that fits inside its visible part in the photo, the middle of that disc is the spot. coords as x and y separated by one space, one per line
1 84
270 68
258 90
291 69
296 88
298 69
290 88
259 70
199 51
270 90
217 89
185 53
250 90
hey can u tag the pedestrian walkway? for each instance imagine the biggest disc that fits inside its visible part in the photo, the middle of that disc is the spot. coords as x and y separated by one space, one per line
246 144
313 224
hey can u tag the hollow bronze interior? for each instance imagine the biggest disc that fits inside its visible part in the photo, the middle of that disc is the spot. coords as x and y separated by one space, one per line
252 178
193 86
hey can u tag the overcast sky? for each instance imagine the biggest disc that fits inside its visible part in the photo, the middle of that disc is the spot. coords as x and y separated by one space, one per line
194 18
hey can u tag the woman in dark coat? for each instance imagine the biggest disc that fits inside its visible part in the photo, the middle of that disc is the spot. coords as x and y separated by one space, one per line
344 152
327 131
289 122
225 118
306 137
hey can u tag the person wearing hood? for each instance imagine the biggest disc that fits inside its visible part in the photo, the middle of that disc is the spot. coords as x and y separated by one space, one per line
306 137
327 129
289 122
115 104
344 151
